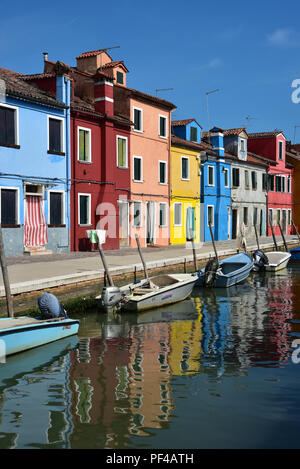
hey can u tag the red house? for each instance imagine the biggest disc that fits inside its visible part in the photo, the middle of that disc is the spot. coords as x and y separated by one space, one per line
271 146
100 146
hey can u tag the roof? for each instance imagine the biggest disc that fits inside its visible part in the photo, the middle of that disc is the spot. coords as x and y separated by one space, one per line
91 53
274 133
178 123
18 88
186 143
263 159
115 64
226 132
37 76
147 97
87 107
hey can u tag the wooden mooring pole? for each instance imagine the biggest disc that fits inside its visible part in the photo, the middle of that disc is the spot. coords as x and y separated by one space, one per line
194 255
257 241
213 242
283 238
141 256
274 239
106 270
9 302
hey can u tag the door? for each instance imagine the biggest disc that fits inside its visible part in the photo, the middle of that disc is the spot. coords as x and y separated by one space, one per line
150 228
190 223
228 223
123 223
35 225
234 222
284 221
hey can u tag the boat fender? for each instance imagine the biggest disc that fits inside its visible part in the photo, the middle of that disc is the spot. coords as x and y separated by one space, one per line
260 259
210 272
50 306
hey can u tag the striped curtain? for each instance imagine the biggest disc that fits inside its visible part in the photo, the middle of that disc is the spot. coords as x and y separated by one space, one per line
35 226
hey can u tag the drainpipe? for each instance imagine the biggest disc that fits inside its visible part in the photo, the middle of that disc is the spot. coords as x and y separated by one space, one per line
68 155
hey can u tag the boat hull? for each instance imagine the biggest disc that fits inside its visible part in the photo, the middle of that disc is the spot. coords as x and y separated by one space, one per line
277 261
295 254
234 269
19 338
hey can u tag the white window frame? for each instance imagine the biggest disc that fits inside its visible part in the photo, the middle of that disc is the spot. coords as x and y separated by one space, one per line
280 143
213 214
188 168
62 136
63 204
135 157
135 108
141 218
17 132
89 211
17 189
226 171
174 205
165 205
213 168
90 145
166 174
126 139
160 116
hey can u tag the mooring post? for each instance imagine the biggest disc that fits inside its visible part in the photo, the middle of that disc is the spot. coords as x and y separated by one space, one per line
256 236
184 265
213 242
141 256
106 271
274 239
283 238
9 302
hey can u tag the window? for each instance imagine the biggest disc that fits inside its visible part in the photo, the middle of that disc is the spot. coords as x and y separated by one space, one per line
162 214
162 126
137 168
84 145
84 209
9 126
185 170
254 180
56 208
242 145
55 135
162 172
137 119
245 215
247 185
280 150
254 215
120 78
235 177
289 217
264 181
271 182
9 207
280 183
278 217
226 177
194 134
288 184
210 215
271 216
137 214
283 183
211 176
177 214
121 152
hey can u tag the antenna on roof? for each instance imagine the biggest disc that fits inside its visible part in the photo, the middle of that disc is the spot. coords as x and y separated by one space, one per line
295 127
248 118
162 89
105 50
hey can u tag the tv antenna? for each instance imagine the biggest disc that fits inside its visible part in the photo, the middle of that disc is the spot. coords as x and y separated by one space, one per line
163 89
105 50
248 119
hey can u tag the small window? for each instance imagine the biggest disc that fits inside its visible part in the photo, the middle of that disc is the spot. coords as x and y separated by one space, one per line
162 214
8 126
120 78
55 135
271 182
242 145
9 207
177 214
245 216
254 215
84 145
289 217
264 181
194 134
137 168
84 203
278 217
226 177
271 216
137 119
211 176
247 185
185 170
254 180
210 215
137 214
56 208
278 184
235 177
122 152
288 184
280 150
162 172
162 126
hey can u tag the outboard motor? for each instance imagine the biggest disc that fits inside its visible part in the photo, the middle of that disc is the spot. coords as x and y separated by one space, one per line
111 296
260 260
210 273
50 306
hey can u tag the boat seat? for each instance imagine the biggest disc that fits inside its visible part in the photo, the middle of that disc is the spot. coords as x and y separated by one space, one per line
143 291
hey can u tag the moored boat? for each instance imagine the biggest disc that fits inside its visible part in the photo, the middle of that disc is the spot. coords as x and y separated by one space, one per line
149 293
295 254
272 261
227 272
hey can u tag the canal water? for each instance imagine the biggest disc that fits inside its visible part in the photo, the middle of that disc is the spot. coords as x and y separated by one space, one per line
219 370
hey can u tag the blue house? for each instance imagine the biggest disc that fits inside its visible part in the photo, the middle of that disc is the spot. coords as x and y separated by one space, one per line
35 164
187 129
215 189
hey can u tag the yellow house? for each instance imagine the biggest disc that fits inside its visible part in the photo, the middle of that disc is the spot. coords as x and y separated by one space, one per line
184 191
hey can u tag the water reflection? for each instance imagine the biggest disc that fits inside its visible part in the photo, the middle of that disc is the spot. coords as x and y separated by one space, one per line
116 385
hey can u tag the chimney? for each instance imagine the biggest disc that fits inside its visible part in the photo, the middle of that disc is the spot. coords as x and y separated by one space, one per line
217 141
104 94
45 54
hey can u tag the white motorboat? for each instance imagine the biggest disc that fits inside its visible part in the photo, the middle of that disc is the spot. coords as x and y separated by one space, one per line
271 261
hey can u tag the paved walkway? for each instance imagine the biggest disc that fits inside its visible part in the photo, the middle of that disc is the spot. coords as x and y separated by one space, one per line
33 273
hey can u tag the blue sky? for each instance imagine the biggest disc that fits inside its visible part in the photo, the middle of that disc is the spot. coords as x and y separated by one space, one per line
250 52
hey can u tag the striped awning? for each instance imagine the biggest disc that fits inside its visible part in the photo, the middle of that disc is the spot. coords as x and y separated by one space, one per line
35 226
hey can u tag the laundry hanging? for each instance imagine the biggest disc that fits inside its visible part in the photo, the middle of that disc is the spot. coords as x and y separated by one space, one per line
35 226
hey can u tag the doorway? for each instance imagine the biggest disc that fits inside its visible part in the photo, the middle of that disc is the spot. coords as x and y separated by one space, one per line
228 223
190 223
150 227
123 223
234 222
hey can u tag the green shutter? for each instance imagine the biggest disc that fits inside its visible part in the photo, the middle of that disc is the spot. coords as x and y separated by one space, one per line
121 152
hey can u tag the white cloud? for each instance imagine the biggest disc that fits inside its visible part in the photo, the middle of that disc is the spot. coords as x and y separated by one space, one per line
213 63
284 37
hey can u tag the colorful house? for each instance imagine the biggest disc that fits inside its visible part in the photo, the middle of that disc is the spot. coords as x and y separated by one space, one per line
185 173
35 164
271 146
293 158
145 211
